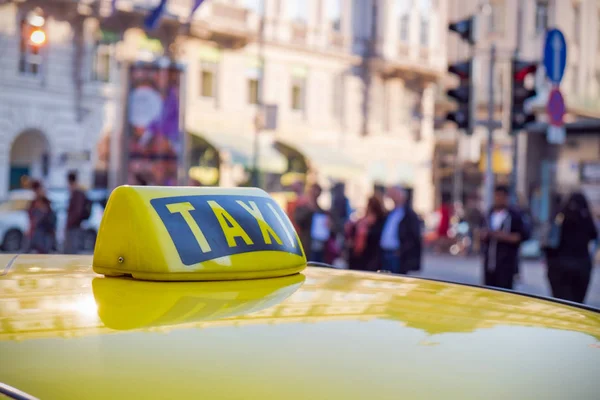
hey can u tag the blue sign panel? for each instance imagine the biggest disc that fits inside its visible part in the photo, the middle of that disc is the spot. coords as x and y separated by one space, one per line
555 55
208 227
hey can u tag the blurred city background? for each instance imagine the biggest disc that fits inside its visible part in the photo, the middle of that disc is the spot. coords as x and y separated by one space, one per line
348 94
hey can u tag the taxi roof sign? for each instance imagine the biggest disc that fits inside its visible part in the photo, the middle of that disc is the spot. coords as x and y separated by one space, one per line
195 234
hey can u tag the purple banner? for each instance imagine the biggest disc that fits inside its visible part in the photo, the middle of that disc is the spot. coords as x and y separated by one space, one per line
154 139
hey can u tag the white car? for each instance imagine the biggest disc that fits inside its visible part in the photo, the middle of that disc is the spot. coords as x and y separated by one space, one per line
14 219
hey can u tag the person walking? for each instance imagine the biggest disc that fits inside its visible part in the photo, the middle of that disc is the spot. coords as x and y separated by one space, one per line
365 237
299 199
501 241
400 241
443 241
313 224
44 225
38 192
569 260
75 215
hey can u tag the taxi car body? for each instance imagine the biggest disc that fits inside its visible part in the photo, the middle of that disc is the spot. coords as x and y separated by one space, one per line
205 293
68 333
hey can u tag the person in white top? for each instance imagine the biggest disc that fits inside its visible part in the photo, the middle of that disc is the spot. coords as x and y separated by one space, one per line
501 240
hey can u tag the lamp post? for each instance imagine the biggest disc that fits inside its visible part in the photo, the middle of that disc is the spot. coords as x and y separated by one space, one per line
259 118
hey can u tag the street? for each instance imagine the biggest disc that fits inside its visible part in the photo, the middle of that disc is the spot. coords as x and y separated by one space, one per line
468 270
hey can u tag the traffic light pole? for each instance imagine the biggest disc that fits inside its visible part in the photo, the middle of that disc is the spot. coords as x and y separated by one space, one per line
489 172
514 177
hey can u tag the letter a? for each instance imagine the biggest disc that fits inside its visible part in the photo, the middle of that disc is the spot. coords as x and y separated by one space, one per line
231 229
265 228
184 209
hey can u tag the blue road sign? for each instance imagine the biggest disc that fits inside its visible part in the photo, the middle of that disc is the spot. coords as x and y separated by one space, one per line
555 55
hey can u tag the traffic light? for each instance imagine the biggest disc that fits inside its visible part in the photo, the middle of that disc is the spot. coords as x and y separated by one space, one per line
465 28
37 37
462 94
33 39
520 93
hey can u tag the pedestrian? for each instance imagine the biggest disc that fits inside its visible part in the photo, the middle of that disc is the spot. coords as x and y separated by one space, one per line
44 226
501 241
313 224
443 240
299 198
364 236
38 192
569 259
340 208
75 215
400 242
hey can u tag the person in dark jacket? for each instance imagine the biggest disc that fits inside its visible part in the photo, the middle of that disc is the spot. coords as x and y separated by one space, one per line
570 264
501 241
401 242
75 213
44 220
314 225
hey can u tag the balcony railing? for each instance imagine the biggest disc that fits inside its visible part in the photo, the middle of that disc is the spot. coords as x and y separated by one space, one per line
298 33
225 23
336 40
238 15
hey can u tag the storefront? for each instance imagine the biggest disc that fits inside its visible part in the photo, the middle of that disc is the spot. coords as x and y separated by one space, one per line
228 160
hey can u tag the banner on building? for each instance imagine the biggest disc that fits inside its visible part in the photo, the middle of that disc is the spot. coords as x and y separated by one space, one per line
154 141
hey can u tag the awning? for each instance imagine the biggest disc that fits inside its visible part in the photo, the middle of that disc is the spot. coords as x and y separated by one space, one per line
328 161
501 161
240 150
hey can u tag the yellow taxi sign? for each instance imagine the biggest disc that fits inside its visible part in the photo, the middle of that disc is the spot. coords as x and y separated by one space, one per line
195 234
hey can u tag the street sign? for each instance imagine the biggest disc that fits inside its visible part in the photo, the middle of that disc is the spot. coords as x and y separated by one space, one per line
556 112
555 55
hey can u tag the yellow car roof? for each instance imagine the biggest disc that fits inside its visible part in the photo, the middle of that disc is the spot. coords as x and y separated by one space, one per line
68 333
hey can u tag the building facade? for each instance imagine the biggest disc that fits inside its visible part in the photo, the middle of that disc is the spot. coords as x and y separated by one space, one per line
337 90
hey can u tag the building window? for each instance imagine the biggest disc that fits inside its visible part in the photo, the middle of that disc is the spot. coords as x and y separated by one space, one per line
577 23
541 16
337 97
425 11
298 92
256 6
254 82
385 114
334 14
424 33
208 81
32 43
298 11
496 17
403 13
598 25
102 62
253 91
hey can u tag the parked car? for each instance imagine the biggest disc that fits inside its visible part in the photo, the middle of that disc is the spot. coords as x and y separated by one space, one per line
14 221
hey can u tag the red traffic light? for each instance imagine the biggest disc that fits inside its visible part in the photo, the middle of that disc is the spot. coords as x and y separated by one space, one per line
462 70
521 69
